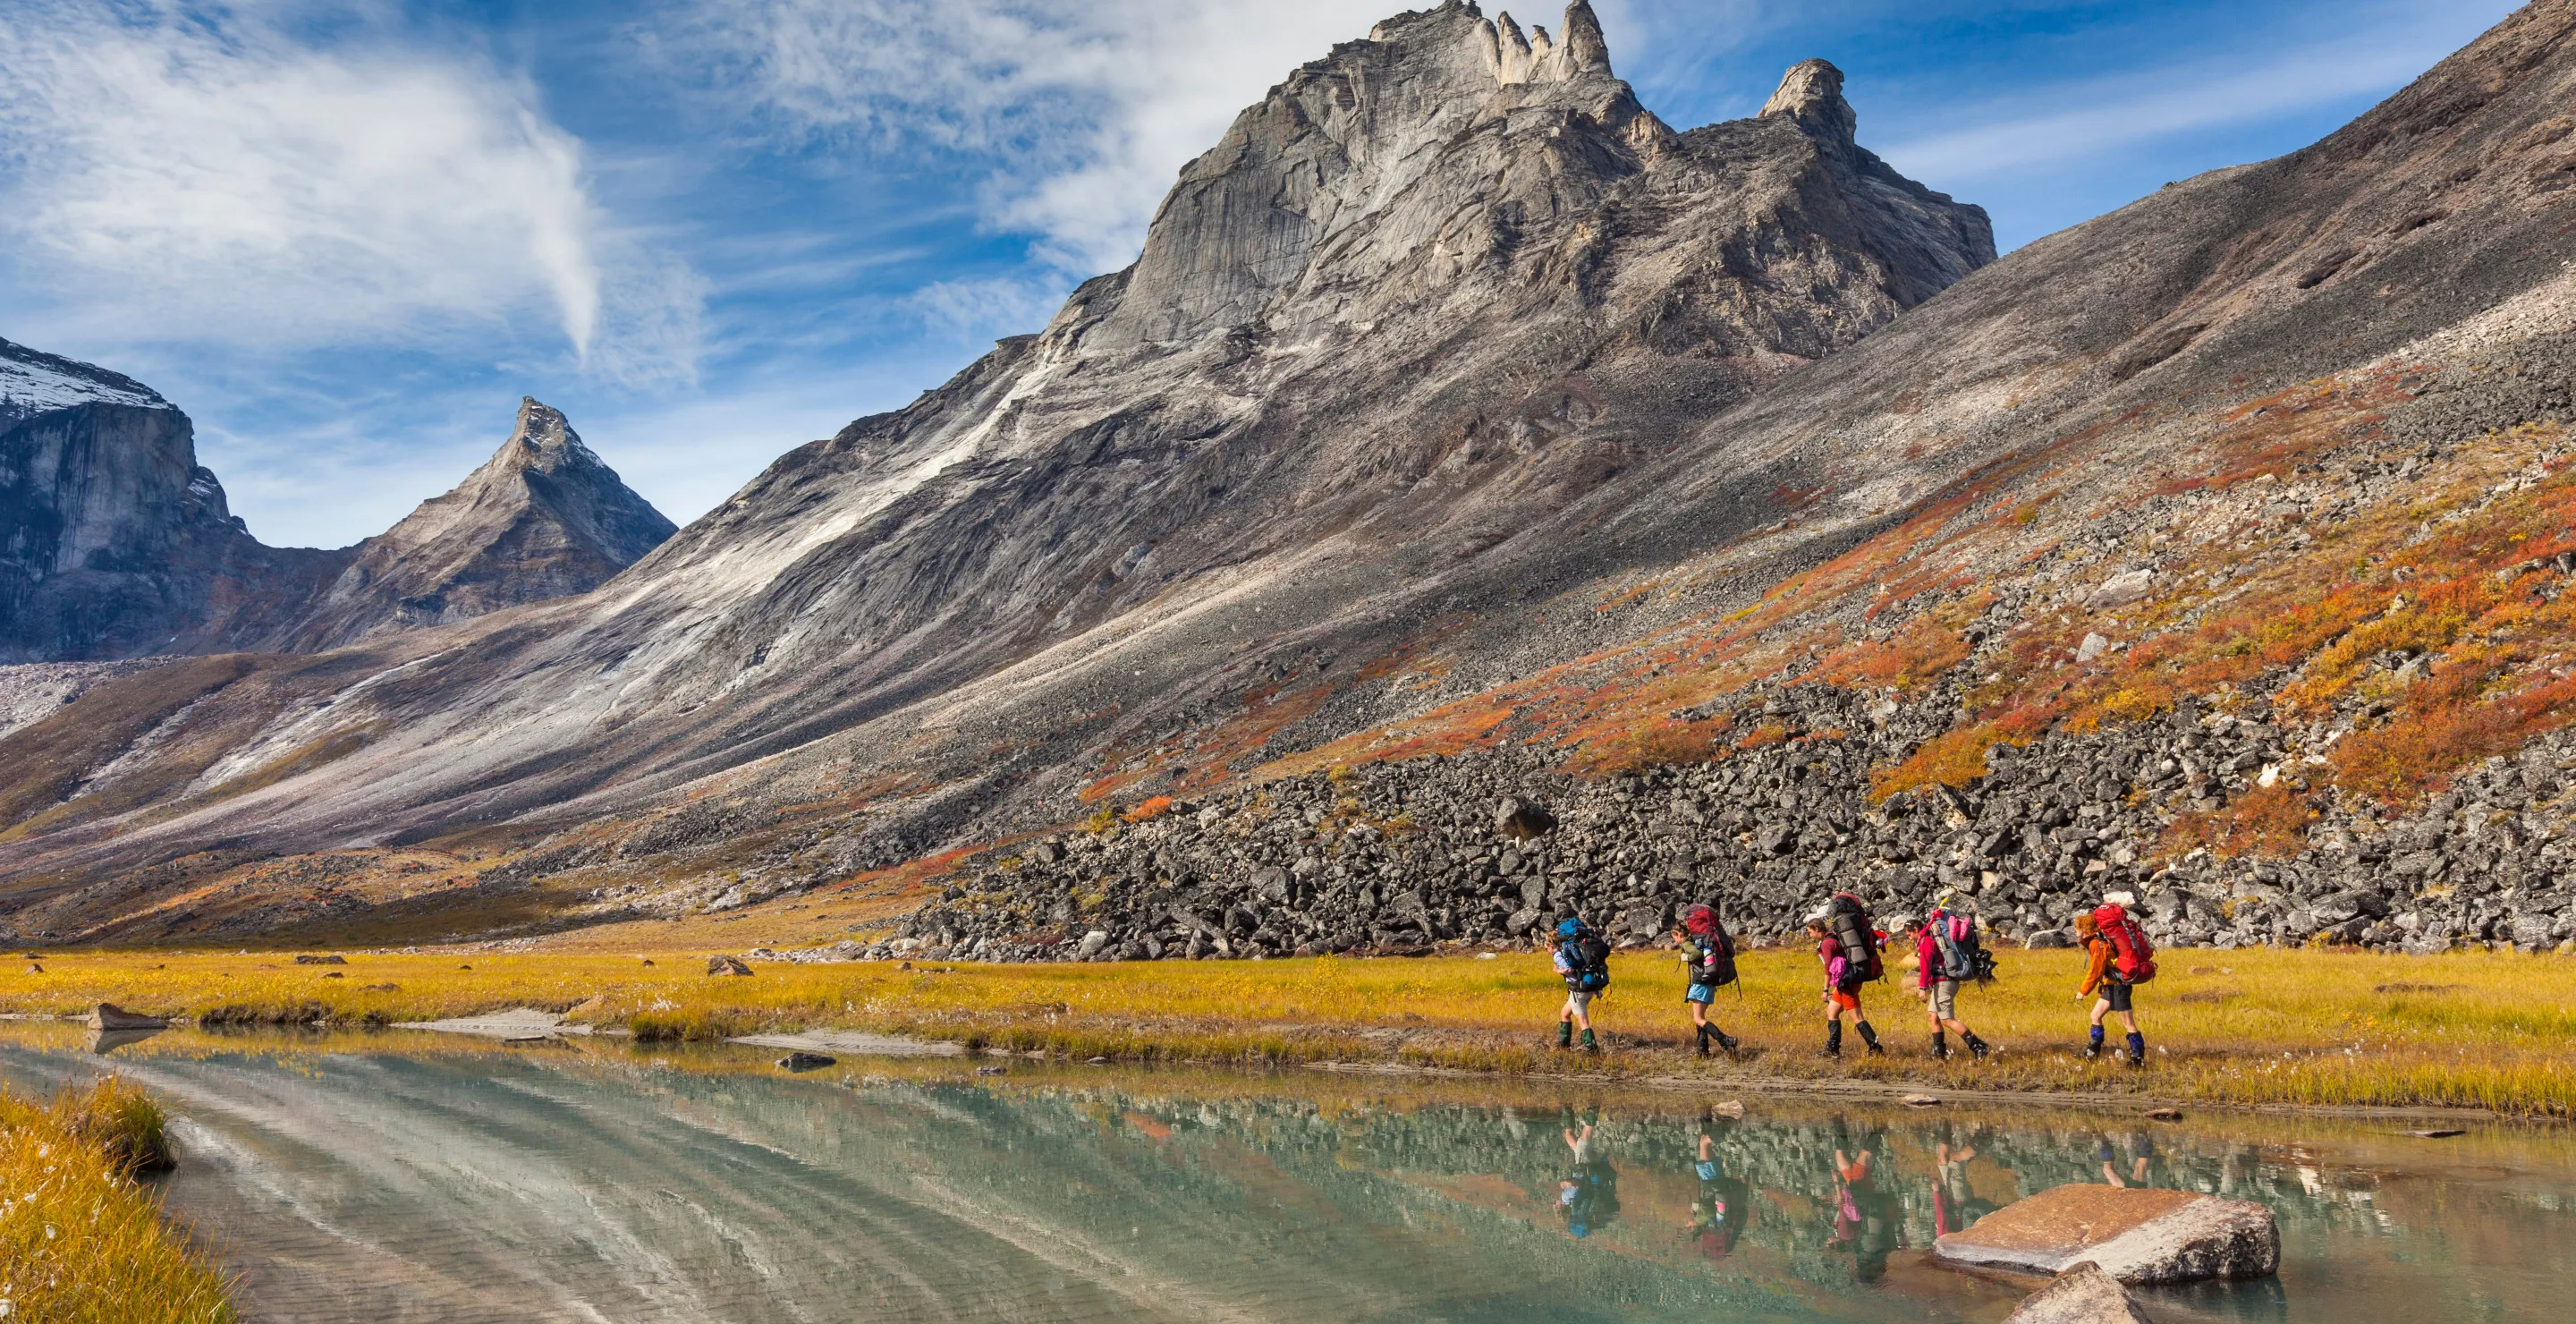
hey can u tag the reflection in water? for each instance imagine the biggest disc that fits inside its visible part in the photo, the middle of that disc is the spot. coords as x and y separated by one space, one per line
551 1185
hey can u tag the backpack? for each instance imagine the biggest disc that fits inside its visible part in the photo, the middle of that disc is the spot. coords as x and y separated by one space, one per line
2132 955
1956 941
1590 957
1858 940
1717 970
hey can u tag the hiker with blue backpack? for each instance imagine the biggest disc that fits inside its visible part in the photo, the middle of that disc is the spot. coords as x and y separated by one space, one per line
1949 953
1583 961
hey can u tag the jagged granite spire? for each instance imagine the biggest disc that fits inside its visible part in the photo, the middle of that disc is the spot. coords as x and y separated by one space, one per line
1812 95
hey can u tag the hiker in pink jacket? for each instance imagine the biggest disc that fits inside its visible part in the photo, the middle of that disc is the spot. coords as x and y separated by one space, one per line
1947 951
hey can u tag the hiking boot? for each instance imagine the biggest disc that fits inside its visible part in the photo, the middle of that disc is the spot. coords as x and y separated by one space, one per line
1727 1042
1833 1051
1877 1049
1590 1045
1701 1049
1979 1047
1565 1034
2092 1051
1940 1049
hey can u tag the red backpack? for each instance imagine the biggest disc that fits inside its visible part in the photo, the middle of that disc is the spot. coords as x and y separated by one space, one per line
2130 950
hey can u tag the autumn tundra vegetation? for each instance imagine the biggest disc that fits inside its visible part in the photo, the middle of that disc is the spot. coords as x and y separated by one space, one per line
2481 1030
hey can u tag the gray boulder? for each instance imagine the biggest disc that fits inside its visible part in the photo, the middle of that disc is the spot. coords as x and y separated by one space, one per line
2081 1295
2135 1235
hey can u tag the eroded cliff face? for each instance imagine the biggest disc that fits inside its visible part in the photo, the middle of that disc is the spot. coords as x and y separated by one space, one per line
115 543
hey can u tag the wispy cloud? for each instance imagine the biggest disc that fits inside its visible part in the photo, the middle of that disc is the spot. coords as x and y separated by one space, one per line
2065 122
1083 113
273 173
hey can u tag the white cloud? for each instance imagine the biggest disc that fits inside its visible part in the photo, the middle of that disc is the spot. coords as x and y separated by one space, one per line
1090 109
249 175
2073 121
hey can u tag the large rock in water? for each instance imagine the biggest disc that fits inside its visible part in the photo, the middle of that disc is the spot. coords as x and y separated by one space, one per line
2134 1235
2082 1295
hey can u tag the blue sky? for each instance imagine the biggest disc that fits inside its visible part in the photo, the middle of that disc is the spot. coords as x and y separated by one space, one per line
347 237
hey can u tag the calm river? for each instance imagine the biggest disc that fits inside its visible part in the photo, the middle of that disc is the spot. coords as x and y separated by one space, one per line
403 1176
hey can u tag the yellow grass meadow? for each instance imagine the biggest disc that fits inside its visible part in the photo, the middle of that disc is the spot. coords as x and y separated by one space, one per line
2256 1026
80 1240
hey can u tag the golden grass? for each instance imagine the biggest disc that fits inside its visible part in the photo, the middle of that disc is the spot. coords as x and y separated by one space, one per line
2484 1030
80 1241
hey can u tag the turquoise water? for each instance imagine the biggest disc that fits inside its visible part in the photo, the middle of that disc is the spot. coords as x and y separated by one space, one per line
389 1178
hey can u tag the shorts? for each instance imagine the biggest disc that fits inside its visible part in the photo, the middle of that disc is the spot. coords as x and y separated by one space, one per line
1579 1001
2117 993
1847 1001
1944 996
1700 993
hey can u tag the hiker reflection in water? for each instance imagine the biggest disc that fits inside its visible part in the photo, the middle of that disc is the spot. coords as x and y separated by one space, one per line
1864 1216
1954 1200
1588 1196
2142 1154
1719 1211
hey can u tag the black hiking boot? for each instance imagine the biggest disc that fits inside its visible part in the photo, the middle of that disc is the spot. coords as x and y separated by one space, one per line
1702 1048
1940 1049
1727 1042
1979 1047
1870 1037
1833 1039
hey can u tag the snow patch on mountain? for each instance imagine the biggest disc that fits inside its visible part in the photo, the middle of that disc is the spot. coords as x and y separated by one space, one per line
33 382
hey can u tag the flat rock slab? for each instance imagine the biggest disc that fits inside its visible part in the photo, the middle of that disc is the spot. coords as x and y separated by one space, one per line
2135 1235
516 1023
2083 1295
853 1041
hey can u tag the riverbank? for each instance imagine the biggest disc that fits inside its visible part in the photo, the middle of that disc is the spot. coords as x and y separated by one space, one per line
2494 1031
80 1238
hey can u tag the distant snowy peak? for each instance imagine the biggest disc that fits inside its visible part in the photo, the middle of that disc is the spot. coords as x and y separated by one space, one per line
33 382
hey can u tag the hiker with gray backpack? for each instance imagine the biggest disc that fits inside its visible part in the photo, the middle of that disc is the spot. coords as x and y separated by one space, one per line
1949 953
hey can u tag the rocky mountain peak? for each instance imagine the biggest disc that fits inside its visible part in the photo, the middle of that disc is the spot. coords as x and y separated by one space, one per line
1536 58
545 442
545 517
1812 95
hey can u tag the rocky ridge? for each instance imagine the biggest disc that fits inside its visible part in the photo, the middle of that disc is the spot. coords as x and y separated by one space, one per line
118 544
1373 334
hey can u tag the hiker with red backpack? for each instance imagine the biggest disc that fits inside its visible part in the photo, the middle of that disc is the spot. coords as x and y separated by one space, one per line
1847 944
2121 959
1708 957
1949 953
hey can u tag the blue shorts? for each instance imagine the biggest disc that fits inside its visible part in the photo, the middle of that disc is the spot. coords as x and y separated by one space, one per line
1700 993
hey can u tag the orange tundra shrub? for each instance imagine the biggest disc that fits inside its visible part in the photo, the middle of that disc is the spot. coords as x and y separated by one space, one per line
2271 821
